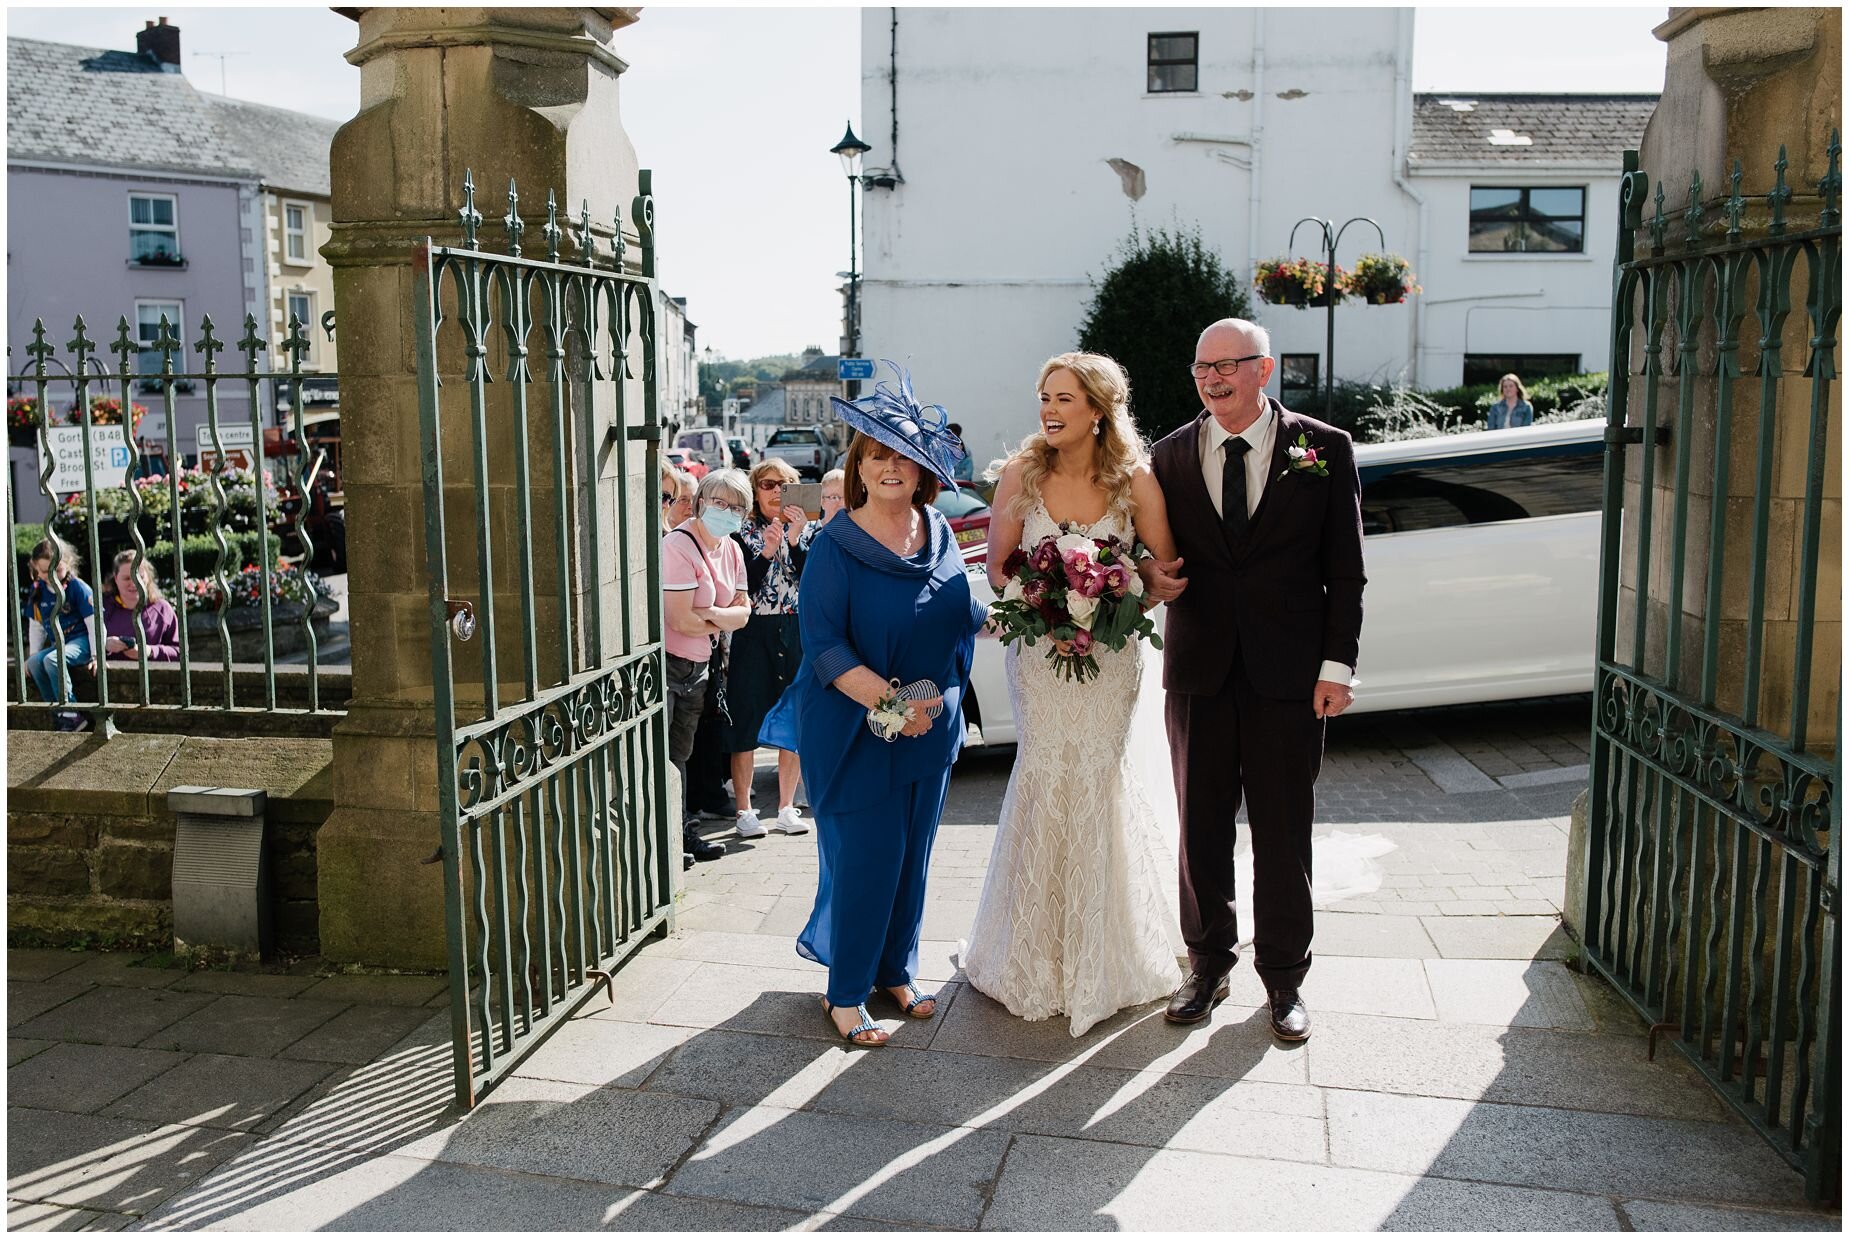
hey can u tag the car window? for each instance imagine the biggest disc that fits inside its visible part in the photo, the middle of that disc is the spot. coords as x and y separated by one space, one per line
1418 496
794 436
959 503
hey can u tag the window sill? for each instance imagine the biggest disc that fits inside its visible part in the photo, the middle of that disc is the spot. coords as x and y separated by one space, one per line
302 264
158 266
1524 256
1172 94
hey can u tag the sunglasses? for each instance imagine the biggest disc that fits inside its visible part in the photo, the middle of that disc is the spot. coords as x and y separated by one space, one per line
771 484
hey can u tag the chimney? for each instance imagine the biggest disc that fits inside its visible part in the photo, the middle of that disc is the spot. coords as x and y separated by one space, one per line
161 44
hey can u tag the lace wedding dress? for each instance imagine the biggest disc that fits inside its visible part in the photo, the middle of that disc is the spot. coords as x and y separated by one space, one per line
1077 910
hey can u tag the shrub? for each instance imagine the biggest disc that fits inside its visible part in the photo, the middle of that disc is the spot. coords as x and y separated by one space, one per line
1162 289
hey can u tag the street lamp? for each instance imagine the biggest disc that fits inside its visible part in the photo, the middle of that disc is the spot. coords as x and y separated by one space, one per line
1332 237
851 148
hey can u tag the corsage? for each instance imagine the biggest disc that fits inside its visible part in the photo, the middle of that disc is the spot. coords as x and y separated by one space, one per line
889 714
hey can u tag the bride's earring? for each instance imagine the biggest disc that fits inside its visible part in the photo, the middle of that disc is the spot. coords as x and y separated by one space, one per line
1097 427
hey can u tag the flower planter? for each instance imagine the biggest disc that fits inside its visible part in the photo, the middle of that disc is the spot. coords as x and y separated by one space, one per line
246 628
1382 279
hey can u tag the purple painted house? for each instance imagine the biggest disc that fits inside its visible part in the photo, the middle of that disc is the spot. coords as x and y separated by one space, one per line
128 196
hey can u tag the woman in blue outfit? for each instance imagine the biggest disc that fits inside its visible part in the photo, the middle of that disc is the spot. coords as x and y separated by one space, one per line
885 606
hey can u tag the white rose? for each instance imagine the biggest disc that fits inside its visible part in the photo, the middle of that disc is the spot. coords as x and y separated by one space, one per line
1136 583
1081 608
1013 591
1071 542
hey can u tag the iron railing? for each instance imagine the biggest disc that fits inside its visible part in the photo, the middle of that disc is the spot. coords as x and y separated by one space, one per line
1713 875
289 600
556 839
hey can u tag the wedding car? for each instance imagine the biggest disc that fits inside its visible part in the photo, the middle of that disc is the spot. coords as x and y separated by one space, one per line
1482 563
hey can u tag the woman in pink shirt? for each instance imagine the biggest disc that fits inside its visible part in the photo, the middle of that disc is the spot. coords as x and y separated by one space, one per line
703 581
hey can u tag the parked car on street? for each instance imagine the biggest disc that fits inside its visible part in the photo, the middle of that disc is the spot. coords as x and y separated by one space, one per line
1482 555
969 521
741 454
706 446
803 449
686 463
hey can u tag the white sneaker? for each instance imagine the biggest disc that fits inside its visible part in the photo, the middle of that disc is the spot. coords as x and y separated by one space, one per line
790 822
748 826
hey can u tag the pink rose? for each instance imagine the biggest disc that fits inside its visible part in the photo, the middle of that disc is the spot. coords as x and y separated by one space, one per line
1309 457
1081 642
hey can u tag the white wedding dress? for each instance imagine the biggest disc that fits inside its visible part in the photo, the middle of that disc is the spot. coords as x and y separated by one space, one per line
1078 908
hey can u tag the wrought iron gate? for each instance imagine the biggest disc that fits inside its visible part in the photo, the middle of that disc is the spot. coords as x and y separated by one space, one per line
1713 877
552 777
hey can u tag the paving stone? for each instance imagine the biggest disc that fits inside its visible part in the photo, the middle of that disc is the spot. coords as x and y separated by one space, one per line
241 1024
889 1172
82 1079
723 916
1386 937
600 1052
250 984
112 1015
126 970
1671 1215
602 1135
219 1090
1119 1187
744 1069
1395 987
356 1035
1525 1065
1539 1147
1610 1010
19 1049
1508 992
379 991
21 1215
39 963
786 1002
28 999
640 987
1498 937
85 1161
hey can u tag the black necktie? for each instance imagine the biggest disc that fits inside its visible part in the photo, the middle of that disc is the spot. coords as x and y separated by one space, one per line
1233 516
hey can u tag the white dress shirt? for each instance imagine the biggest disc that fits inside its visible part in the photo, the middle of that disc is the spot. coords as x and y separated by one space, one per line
1263 436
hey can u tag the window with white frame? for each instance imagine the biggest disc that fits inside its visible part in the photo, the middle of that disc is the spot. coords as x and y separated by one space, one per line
302 306
295 219
154 229
148 315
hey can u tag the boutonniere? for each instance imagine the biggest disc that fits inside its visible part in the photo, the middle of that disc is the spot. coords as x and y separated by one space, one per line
1305 459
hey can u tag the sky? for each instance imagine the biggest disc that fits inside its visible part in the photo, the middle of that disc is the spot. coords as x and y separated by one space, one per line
750 206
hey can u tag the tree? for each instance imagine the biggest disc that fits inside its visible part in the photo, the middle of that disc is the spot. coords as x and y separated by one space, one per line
1146 311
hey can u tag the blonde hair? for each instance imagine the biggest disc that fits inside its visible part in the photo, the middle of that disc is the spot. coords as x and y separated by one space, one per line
762 470
144 580
1521 393
835 475
1121 450
725 483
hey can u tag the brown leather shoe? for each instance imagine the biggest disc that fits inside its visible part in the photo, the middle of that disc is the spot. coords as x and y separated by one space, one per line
1290 1019
1196 998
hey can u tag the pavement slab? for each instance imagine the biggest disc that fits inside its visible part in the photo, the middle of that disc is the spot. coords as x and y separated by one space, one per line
113 1015
1508 993
1384 937
1497 937
242 1024
24 1215
640 987
39 963
744 1069
876 1169
85 1161
82 1079
600 1052
220 1090
25 1000
378 991
19 1049
126 970
1674 1215
357 1035
782 1001
1119 1187
250 984
1619 1154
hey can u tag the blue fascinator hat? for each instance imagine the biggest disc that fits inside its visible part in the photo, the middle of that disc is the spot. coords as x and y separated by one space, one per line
893 416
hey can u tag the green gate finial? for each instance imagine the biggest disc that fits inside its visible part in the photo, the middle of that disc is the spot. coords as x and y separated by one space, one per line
39 351
1830 188
511 221
1736 206
1781 193
1692 216
551 230
585 253
208 344
1659 223
618 246
125 346
81 348
295 343
167 344
251 344
471 218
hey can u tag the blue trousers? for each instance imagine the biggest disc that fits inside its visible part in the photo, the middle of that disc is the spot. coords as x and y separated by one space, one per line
54 681
869 897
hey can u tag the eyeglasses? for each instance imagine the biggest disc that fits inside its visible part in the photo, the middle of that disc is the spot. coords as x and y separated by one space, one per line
723 506
771 484
1226 365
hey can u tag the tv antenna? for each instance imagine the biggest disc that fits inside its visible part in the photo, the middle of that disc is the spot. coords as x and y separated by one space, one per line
221 57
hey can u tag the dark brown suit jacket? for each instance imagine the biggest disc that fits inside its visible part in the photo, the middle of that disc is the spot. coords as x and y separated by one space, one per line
1290 597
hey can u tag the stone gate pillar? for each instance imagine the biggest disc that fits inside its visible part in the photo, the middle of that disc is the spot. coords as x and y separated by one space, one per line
527 94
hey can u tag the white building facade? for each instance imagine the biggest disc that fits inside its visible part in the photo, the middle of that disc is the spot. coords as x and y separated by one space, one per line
1029 142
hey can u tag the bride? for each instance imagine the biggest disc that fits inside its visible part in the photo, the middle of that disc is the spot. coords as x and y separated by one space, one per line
1075 912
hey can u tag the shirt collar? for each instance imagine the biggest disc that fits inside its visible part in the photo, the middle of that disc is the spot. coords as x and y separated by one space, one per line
1253 434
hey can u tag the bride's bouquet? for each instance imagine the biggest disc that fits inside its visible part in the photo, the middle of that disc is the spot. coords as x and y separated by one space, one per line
1073 587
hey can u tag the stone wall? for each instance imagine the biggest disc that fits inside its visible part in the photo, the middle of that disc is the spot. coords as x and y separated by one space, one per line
90 839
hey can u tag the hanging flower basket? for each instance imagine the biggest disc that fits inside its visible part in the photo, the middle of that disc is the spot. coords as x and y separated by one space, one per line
107 411
1299 282
1381 279
22 421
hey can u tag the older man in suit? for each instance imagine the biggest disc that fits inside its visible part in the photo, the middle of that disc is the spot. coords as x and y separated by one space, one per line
1264 623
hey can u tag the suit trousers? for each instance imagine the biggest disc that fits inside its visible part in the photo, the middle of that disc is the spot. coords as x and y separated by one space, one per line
1232 746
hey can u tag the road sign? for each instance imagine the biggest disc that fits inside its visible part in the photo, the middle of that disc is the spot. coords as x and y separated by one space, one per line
851 368
239 441
109 457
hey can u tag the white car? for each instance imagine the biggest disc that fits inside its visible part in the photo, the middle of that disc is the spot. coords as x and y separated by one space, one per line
1482 554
